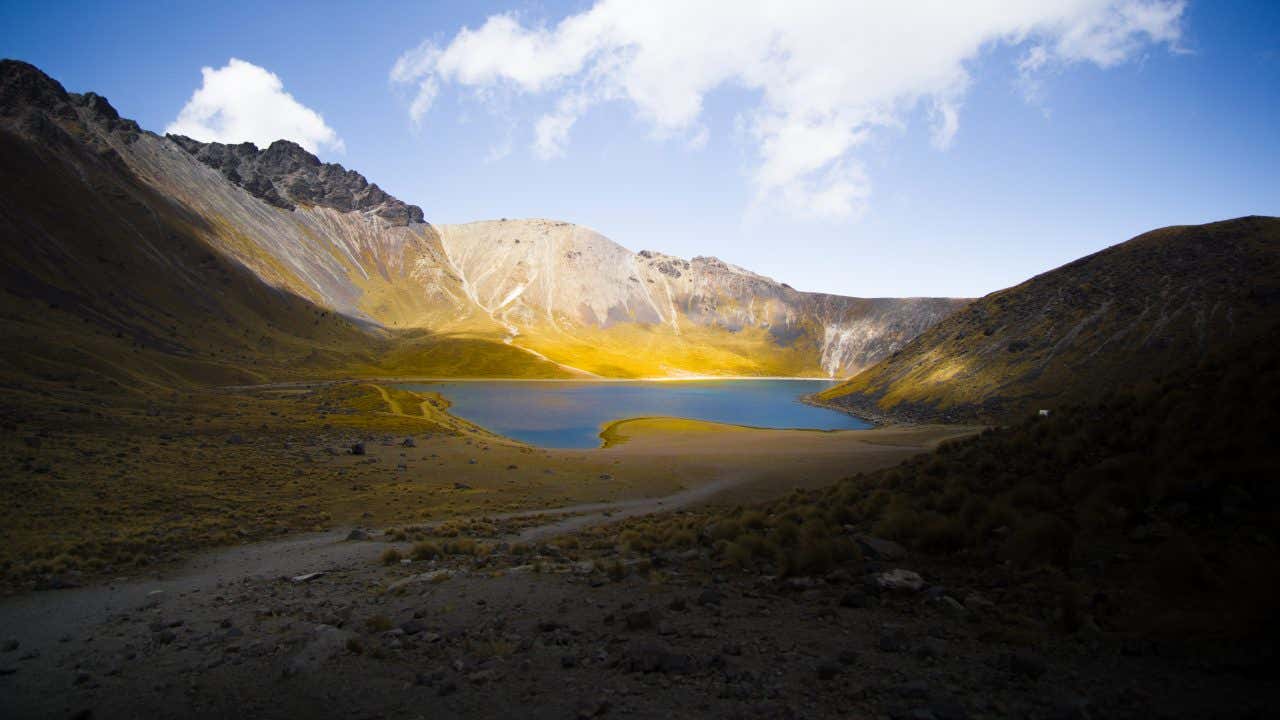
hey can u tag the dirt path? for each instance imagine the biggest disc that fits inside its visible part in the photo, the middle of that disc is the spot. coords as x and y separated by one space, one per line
38 621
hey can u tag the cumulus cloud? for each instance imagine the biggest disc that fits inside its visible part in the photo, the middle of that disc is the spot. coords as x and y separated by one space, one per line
825 74
242 102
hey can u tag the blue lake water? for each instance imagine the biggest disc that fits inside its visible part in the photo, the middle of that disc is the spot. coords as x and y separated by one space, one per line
571 414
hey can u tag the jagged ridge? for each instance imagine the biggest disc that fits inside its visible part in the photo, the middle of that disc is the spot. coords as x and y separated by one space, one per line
285 174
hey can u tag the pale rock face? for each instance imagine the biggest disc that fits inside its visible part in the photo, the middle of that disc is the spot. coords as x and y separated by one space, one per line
529 273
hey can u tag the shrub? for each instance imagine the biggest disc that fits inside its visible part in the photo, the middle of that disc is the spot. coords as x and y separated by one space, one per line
390 556
753 520
681 539
425 550
460 546
1043 539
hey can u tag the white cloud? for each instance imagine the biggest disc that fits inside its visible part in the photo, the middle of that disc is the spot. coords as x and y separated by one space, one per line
242 102
825 74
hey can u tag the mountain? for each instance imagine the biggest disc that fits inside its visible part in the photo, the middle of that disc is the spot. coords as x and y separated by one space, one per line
123 265
574 295
166 232
1122 317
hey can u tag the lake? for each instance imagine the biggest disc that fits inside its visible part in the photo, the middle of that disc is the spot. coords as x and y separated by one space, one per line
571 414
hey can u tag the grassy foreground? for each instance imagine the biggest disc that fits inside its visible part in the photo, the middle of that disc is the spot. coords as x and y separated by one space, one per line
106 485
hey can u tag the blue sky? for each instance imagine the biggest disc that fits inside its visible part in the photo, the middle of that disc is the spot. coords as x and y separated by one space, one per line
1071 132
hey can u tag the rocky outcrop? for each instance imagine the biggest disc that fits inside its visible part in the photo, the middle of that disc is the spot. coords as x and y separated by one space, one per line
286 175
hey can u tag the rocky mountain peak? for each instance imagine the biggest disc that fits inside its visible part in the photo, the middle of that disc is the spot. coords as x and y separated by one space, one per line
41 107
286 175
23 86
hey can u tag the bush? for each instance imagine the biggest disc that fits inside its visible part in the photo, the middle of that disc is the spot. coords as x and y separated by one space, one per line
1043 539
390 556
378 623
425 550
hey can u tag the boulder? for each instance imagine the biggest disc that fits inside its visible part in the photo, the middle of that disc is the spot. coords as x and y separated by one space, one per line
899 580
880 549
326 642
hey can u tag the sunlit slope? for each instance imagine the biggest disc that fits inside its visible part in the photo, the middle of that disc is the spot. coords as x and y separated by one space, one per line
526 298
1126 315
109 284
575 296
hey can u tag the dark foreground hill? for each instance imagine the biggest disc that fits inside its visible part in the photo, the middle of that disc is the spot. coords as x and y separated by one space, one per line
1139 310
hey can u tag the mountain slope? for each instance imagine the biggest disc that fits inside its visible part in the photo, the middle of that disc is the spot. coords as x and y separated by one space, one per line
109 283
543 297
570 293
1128 314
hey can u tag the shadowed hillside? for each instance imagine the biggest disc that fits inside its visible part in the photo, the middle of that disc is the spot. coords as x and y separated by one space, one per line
1153 511
1141 309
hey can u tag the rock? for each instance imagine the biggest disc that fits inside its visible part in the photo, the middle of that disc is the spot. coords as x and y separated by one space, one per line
640 620
235 439
892 640
931 648
829 669
461 486
357 534
357 448
799 584
1071 707
285 174
428 679
593 708
880 549
899 580
427 577
947 711
856 599
326 642
413 627
839 577
914 690
568 661
651 657
448 687
10 646
710 596
1022 664
606 476
408 442
976 604
950 605
306 577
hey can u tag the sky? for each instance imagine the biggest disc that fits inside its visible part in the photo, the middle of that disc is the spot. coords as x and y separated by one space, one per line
861 148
